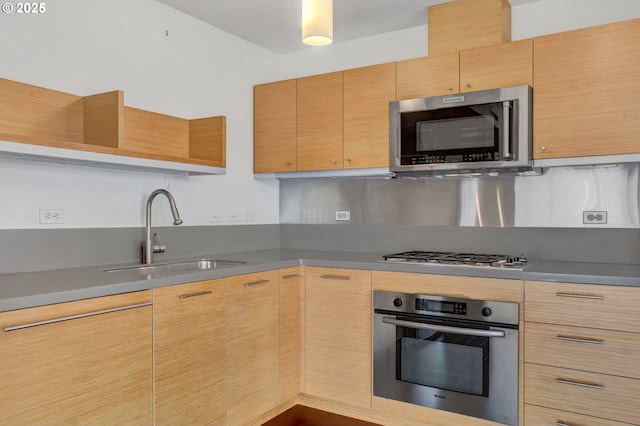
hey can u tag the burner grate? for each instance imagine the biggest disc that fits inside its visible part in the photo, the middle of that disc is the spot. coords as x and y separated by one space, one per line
447 258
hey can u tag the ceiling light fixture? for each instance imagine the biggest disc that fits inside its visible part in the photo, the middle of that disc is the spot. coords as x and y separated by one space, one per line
317 22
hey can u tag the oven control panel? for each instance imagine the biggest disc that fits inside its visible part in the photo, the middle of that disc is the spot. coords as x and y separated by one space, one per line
441 306
444 306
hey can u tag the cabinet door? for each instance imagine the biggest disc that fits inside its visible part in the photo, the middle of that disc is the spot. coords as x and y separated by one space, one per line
320 122
291 286
253 354
189 353
274 127
492 67
85 362
429 76
367 93
338 335
587 83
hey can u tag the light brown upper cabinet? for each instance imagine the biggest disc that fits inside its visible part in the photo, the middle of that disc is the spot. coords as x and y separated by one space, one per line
466 24
500 65
428 76
330 121
367 93
320 122
587 86
274 127
491 67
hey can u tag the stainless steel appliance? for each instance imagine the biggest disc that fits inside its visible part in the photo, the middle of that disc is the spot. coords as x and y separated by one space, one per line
453 354
456 259
480 132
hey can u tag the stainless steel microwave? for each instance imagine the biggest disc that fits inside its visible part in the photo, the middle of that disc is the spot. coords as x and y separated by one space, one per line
482 132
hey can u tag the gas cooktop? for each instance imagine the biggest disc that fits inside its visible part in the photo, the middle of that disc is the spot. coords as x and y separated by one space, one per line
464 259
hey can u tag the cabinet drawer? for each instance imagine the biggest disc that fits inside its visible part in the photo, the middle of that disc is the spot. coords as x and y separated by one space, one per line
540 416
600 351
582 305
592 394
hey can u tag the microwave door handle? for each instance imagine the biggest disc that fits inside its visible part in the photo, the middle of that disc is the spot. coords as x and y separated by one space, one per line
444 328
506 131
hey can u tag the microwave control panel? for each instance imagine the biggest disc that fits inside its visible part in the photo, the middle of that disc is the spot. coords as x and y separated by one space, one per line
456 158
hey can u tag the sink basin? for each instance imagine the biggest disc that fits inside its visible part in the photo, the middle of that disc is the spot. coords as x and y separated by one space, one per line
172 268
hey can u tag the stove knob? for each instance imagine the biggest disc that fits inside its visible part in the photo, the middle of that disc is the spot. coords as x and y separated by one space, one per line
397 302
486 312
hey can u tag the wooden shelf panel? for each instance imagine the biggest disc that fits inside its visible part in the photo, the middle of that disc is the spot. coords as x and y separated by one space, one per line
63 123
153 133
29 113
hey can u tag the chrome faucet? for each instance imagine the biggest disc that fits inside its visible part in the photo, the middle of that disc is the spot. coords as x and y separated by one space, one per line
150 247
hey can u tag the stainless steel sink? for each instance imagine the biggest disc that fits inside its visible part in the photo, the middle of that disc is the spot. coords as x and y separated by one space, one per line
173 268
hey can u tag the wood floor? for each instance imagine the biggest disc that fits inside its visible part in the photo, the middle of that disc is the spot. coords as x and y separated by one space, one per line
305 416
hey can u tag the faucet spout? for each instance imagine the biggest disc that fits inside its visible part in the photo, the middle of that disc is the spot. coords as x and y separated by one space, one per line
148 246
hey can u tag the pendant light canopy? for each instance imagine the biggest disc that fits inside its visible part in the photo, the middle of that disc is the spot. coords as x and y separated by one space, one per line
317 22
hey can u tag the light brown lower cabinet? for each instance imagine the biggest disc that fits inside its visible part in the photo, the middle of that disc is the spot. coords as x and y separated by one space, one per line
236 351
291 290
581 354
189 354
540 416
85 362
338 335
592 394
253 350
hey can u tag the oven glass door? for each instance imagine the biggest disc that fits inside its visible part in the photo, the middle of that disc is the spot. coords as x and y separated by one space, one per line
455 134
443 360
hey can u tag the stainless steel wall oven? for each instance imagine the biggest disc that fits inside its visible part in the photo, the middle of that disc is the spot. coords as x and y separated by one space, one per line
458 355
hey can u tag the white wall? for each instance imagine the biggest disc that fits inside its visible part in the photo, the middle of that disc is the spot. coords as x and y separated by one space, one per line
90 46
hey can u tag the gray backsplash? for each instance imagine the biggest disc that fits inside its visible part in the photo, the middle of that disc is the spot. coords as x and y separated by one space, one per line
554 244
540 217
557 199
36 250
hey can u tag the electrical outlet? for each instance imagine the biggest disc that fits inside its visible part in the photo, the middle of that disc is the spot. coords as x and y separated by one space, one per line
216 218
594 217
343 215
249 216
51 216
234 217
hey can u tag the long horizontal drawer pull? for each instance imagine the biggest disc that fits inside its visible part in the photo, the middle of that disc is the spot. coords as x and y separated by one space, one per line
580 296
198 293
72 317
254 283
335 277
444 328
581 340
290 277
580 384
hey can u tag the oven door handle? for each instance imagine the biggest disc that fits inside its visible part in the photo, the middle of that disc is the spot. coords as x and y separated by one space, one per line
445 328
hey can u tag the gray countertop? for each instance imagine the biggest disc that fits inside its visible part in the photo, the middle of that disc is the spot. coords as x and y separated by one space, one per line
29 289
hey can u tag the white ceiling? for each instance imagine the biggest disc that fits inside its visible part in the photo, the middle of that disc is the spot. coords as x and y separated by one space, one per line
276 24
